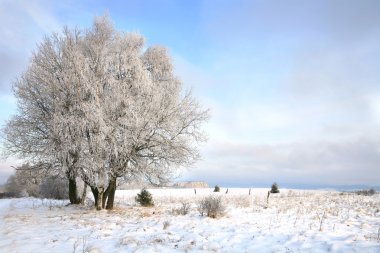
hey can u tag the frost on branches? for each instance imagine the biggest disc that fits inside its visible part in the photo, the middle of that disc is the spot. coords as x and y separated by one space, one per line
97 105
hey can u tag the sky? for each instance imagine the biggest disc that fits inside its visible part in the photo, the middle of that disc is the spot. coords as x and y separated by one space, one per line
293 86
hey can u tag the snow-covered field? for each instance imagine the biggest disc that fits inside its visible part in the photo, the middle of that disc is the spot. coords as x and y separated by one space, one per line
292 221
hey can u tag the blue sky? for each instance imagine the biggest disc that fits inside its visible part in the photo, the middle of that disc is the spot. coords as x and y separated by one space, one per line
293 86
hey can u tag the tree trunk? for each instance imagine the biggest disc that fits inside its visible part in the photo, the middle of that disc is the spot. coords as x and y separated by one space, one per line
100 198
73 191
111 193
105 195
95 193
84 194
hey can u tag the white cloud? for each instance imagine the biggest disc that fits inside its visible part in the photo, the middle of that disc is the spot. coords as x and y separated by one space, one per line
335 163
374 104
22 25
42 15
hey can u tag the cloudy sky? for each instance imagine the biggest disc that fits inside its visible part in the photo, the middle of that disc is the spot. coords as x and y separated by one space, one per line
293 86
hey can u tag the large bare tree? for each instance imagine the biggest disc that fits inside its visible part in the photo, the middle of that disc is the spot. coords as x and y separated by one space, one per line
96 104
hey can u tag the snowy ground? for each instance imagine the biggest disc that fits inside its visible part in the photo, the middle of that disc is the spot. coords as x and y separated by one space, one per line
292 221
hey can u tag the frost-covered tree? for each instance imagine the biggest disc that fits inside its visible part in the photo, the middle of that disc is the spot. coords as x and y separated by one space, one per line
97 104
150 127
30 178
45 104
25 181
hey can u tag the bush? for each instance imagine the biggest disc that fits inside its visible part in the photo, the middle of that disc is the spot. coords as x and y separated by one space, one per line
13 188
28 182
54 188
184 209
369 192
6 195
211 206
144 198
274 188
217 188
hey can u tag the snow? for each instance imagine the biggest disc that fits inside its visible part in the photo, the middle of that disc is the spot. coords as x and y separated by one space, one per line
292 221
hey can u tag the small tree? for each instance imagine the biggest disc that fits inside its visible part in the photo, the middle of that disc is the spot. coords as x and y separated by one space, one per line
144 198
274 188
217 188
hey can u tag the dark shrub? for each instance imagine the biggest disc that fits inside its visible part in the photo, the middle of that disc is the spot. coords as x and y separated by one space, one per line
5 195
369 192
274 188
13 188
54 187
217 188
144 198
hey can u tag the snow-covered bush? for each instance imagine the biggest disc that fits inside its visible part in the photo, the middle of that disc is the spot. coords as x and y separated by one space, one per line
54 188
211 206
144 198
183 209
